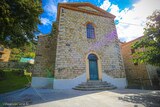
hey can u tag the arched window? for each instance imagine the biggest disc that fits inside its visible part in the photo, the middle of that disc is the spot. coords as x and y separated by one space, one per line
90 31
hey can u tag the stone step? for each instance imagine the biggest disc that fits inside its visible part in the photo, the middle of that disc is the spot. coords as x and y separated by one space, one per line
95 82
94 85
93 89
99 85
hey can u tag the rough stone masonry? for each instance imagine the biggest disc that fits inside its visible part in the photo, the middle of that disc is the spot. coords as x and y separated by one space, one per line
66 53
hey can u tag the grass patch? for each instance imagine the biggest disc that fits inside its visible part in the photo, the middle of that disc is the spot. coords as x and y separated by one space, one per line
13 81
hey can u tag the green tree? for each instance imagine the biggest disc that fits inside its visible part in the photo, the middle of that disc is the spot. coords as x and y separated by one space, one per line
28 51
18 21
16 54
150 44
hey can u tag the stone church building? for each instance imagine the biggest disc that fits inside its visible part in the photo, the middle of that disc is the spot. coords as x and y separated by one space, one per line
86 49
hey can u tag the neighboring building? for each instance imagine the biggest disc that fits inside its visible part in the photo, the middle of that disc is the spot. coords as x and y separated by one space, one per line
4 54
86 48
138 74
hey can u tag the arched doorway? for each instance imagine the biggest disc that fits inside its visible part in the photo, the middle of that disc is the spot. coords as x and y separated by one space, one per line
93 67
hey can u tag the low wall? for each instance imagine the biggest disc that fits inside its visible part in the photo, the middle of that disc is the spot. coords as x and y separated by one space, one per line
19 65
42 82
120 83
69 83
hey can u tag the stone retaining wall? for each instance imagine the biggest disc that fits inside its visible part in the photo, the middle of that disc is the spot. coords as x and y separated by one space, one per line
45 56
16 65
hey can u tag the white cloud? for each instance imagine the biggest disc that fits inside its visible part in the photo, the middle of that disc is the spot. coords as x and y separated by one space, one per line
137 19
50 7
105 5
133 21
114 9
45 21
129 32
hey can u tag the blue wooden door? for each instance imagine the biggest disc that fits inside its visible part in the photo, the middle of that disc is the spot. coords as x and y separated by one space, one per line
93 69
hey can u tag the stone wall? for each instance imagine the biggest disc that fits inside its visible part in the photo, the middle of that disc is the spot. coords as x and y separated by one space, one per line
73 45
134 72
88 8
140 73
45 56
152 71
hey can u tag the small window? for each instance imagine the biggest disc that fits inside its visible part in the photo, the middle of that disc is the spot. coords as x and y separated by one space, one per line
90 31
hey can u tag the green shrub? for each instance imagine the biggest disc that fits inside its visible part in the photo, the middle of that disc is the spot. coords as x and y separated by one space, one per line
18 72
2 74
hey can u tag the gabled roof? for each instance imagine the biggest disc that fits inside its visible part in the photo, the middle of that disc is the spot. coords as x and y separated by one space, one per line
132 41
79 7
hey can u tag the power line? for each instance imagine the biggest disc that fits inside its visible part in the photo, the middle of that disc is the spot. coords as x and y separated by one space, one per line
130 24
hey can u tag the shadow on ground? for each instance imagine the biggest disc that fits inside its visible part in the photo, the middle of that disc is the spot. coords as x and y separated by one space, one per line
130 91
32 96
151 99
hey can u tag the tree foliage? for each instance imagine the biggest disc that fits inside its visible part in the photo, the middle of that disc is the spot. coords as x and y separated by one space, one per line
18 21
27 51
150 44
16 54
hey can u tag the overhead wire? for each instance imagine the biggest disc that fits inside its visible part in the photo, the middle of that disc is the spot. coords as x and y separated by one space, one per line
130 24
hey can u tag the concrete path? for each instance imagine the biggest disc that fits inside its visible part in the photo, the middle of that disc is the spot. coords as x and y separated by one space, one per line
73 98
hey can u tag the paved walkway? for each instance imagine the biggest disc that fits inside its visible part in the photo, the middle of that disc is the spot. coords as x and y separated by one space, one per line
73 98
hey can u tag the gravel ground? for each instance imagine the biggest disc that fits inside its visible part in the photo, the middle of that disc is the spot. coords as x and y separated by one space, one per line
73 98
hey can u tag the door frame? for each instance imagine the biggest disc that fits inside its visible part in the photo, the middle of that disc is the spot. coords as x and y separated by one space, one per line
98 65
91 72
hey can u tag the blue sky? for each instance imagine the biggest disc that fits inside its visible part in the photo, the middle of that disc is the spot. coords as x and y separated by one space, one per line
130 14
